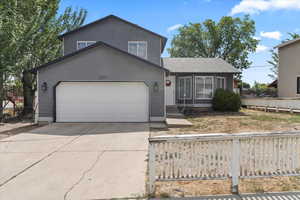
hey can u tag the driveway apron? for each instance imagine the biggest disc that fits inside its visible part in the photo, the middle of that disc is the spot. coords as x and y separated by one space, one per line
75 161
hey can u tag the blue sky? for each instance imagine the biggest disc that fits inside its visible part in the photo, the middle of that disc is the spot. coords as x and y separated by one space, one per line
274 19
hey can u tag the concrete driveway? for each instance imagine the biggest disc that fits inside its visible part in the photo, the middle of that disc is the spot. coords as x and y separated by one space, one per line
75 161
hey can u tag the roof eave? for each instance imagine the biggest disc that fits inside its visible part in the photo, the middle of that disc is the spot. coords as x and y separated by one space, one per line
289 42
207 72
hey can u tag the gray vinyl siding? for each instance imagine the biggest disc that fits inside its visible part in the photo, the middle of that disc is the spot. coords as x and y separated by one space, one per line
289 70
229 86
101 64
116 33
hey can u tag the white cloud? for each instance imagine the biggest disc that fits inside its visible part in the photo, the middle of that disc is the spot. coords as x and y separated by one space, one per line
174 27
257 38
272 35
297 30
257 6
261 48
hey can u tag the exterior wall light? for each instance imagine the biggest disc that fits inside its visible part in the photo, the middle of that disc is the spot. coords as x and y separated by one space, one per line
155 87
44 87
168 83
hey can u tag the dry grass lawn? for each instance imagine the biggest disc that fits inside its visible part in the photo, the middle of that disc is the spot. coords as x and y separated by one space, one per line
244 121
218 187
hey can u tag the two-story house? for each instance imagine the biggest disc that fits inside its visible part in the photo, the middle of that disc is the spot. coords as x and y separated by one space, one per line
112 71
288 82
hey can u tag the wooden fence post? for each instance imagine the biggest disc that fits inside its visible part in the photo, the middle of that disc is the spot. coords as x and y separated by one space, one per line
235 165
151 168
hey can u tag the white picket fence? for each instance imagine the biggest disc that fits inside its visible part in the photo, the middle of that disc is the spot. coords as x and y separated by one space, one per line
273 104
221 156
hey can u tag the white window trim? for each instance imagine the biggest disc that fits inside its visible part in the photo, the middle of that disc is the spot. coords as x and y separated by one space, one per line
195 90
83 41
191 90
222 77
136 42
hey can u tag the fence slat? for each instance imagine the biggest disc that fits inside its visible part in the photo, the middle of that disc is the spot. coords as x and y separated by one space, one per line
219 156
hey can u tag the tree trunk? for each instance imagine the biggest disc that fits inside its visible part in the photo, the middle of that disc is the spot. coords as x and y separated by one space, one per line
28 92
1 95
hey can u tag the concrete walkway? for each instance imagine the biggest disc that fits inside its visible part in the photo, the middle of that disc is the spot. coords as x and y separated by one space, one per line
178 123
75 161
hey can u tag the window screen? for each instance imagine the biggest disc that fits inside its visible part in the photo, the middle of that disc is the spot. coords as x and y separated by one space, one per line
204 87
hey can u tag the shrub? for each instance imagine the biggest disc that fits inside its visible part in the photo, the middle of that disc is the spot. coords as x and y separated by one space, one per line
225 100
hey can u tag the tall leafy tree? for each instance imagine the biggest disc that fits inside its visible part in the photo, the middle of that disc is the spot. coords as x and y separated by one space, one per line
6 38
274 62
32 33
230 39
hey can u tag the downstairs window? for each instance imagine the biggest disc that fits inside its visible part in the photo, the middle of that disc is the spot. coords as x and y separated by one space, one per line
185 87
221 82
203 87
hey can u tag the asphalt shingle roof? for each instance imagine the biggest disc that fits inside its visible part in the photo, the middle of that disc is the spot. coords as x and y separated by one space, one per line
198 65
288 43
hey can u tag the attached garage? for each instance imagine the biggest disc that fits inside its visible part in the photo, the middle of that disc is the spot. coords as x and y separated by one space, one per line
100 84
102 102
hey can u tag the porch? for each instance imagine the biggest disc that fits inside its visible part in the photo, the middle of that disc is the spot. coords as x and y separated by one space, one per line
195 90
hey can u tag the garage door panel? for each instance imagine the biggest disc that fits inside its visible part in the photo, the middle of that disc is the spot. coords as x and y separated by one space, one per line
102 102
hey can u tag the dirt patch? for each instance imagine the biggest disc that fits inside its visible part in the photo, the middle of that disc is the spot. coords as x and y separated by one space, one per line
217 187
274 184
192 188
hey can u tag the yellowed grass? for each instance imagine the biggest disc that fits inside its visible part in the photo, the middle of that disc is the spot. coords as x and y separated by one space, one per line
244 121
217 187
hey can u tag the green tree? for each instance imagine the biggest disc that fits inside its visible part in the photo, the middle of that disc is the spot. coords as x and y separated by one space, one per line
230 39
6 57
274 62
244 85
32 33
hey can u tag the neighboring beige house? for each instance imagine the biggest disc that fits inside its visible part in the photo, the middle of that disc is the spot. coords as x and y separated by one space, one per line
289 69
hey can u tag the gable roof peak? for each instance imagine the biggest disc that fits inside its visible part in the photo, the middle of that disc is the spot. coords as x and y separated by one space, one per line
164 39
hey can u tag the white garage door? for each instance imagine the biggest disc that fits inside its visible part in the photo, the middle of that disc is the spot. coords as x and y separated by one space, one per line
102 102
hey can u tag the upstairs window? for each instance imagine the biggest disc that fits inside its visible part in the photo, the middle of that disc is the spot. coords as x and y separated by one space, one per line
138 48
221 83
83 44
